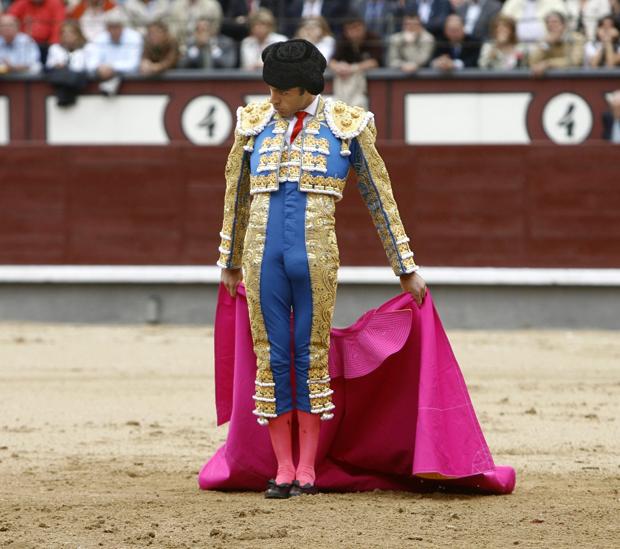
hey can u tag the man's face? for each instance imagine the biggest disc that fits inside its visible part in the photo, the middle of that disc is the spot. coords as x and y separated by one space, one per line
115 31
555 25
156 35
355 31
8 28
454 29
412 24
288 102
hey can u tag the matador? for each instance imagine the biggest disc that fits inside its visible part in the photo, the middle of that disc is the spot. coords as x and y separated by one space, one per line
285 172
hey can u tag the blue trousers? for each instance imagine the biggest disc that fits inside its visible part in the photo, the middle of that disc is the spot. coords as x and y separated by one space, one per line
284 287
290 266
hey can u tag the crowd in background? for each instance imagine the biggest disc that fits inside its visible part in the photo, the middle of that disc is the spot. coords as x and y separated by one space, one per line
77 40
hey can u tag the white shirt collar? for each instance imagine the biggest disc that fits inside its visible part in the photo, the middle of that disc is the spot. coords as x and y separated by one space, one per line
312 107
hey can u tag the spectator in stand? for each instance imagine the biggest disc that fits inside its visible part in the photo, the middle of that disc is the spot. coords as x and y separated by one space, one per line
605 50
116 51
478 16
611 119
40 19
332 10
615 11
457 52
67 64
530 17
560 49
315 29
18 51
583 15
184 15
161 50
208 49
237 12
502 52
381 16
411 48
262 34
357 52
142 12
90 14
433 14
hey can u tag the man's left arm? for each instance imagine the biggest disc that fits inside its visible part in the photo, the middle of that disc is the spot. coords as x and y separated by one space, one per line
376 189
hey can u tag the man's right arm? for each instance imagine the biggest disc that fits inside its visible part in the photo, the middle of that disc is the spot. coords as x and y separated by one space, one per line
236 205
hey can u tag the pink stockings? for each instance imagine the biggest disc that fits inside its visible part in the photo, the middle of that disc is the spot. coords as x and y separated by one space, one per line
309 426
280 431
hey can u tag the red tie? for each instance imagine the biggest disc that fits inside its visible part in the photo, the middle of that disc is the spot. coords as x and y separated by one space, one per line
299 124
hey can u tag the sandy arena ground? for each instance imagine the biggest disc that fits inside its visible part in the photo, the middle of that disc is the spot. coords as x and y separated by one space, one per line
103 430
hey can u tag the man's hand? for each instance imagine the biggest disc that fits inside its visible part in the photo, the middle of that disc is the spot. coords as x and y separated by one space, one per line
231 278
415 285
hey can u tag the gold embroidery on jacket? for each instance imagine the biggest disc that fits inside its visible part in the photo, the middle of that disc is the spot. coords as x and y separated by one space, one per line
268 162
322 184
376 189
270 144
236 205
263 183
316 144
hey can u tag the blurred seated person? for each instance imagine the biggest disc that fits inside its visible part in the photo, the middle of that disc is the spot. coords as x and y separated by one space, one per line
380 16
262 34
584 15
18 51
41 19
477 16
412 47
615 11
90 14
605 50
142 12
433 14
315 29
502 52
67 63
184 15
333 11
560 49
207 49
457 51
611 119
530 17
160 52
116 51
357 51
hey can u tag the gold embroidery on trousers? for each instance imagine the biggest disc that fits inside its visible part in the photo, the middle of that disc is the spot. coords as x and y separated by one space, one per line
252 261
323 263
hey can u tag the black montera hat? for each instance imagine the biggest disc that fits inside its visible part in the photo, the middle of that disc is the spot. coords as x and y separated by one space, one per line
294 63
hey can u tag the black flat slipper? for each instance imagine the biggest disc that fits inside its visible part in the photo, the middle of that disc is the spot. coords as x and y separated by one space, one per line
299 490
277 491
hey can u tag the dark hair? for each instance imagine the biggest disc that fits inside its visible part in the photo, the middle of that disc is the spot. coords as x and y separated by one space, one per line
557 14
159 23
509 22
351 17
411 12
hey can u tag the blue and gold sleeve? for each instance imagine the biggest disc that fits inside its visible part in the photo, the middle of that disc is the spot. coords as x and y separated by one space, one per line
376 190
236 205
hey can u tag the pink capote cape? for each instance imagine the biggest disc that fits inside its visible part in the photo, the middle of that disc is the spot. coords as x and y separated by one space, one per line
402 408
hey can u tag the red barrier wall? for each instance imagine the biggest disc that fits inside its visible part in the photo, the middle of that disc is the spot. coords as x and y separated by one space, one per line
537 205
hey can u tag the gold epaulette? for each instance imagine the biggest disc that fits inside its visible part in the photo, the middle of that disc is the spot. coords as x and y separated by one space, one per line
252 119
345 121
